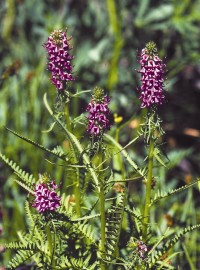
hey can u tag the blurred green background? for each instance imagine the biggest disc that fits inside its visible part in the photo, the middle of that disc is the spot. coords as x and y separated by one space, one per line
106 37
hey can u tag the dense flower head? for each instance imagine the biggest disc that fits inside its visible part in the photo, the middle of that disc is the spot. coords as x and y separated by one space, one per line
46 198
142 249
99 113
138 247
59 65
152 71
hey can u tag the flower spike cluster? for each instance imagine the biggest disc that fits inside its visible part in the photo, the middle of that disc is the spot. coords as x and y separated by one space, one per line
152 71
99 113
46 198
59 65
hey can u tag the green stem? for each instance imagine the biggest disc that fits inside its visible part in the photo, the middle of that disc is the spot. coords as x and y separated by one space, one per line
103 225
102 215
76 179
68 122
77 194
148 189
119 159
121 168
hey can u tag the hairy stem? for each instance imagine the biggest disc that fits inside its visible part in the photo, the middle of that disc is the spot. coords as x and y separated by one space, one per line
148 189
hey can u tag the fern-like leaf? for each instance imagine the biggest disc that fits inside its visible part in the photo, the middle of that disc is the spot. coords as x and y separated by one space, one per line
32 223
77 227
25 186
176 156
162 194
114 217
58 152
84 230
27 179
170 243
137 217
21 257
20 246
79 264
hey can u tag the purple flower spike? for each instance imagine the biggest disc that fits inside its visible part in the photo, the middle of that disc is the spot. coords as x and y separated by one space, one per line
59 65
152 71
46 198
98 119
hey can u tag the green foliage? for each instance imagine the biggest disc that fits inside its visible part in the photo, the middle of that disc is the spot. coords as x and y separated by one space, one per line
163 194
161 252
137 218
26 179
21 257
108 58
57 151
114 217
47 243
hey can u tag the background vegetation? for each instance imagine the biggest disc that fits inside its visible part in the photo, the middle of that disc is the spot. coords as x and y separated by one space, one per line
106 35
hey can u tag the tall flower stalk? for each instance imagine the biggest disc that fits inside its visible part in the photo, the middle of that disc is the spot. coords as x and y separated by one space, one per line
98 121
148 189
103 224
152 95
60 66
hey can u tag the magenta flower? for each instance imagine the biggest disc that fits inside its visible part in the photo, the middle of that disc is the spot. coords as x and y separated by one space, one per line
99 113
46 198
59 65
152 71
142 249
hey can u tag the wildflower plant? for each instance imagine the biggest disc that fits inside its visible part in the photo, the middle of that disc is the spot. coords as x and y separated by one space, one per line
84 224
